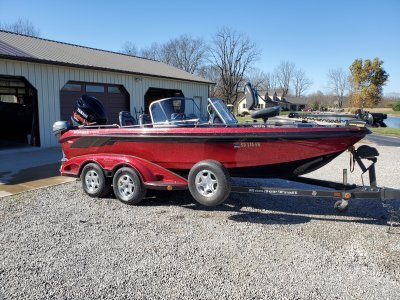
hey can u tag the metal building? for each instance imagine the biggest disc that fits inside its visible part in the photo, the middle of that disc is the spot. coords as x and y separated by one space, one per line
41 79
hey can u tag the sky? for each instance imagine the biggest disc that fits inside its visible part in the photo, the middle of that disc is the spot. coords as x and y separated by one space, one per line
315 35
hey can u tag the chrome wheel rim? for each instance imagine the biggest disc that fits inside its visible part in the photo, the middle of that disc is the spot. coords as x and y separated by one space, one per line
92 181
126 186
206 183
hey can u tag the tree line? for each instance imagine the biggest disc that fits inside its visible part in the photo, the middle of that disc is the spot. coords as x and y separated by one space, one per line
230 61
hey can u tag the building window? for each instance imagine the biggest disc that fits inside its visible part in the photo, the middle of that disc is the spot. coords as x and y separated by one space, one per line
244 105
114 90
72 87
95 88
8 99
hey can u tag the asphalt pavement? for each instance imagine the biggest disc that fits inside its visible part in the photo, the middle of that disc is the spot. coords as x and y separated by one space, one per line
384 140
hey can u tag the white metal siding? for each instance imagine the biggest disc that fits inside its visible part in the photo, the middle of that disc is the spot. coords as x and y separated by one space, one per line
49 79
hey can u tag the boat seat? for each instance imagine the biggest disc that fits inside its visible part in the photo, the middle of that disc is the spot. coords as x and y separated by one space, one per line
251 96
126 119
215 119
144 120
265 113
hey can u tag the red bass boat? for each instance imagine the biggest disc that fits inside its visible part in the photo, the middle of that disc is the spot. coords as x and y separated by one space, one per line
174 148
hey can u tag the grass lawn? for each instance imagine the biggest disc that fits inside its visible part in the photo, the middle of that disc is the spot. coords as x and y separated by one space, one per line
386 131
245 119
394 112
386 110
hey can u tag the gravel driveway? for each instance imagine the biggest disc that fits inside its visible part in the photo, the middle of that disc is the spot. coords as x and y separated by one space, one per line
57 243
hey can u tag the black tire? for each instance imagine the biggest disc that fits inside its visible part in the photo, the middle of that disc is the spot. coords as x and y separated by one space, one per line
209 182
93 181
128 186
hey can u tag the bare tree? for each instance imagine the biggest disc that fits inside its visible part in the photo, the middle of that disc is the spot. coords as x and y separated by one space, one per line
265 82
323 100
300 82
21 26
211 73
258 79
153 52
232 54
284 75
271 82
339 83
185 53
129 48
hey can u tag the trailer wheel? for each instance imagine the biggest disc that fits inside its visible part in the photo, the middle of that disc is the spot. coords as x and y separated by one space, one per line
209 182
93 181
341 205
128 187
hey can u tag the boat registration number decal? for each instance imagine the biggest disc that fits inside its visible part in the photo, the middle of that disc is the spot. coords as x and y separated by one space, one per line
246 145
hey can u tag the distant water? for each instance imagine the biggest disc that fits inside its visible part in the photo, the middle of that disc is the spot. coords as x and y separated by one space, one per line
393 122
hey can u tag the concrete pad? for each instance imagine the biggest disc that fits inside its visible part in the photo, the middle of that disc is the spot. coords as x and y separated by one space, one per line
24 169
7 190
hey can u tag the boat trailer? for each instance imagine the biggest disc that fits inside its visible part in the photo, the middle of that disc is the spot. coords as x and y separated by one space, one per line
209 181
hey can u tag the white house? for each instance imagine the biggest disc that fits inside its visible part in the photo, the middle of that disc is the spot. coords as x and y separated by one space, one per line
268 100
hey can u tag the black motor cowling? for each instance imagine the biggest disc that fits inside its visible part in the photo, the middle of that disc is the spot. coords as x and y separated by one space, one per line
88 111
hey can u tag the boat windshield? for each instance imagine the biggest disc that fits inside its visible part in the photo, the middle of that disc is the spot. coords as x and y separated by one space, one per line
174 110
218 107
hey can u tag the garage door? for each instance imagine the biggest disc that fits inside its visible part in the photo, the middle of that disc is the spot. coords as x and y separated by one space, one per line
113 97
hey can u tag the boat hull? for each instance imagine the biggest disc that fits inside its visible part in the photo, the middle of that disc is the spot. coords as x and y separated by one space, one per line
245 152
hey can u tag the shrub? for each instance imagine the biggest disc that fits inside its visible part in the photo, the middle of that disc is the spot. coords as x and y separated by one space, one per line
396 106
315 105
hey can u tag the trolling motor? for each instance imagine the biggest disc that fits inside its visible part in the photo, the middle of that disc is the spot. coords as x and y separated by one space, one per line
368 153
357 155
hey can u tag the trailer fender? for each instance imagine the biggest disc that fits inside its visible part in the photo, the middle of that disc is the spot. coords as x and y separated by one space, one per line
152 175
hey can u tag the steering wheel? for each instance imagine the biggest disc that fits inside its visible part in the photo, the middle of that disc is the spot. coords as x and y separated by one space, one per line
177 116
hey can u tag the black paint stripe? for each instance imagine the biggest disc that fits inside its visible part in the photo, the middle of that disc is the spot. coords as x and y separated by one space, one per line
102 140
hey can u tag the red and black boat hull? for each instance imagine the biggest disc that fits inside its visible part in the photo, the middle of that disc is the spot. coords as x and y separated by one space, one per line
244 151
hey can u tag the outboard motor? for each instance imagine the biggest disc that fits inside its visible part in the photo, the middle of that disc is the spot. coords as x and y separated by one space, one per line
365 116
88 111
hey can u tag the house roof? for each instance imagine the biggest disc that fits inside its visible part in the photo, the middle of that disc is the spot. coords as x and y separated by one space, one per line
28 48
273 92
297 100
